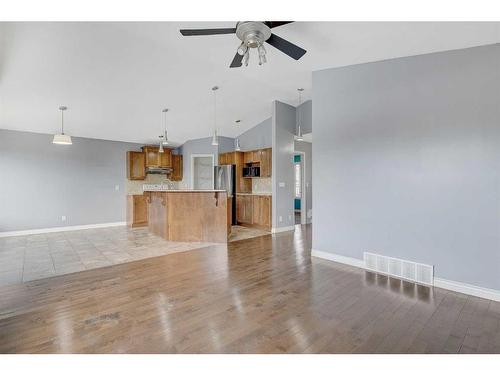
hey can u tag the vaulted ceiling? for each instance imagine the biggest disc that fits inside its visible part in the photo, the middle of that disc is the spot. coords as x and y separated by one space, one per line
116 77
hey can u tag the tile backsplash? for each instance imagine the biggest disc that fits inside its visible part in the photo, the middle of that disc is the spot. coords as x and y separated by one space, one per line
262 185
135 186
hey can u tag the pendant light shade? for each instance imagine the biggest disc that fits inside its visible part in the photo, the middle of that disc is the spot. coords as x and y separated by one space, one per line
62 139
161 150
215 139
165 135
237 140
299 137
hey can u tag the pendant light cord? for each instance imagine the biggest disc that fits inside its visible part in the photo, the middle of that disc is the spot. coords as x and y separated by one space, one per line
62 121
215 110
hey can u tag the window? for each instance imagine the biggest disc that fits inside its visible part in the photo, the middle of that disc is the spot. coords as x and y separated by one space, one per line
298 184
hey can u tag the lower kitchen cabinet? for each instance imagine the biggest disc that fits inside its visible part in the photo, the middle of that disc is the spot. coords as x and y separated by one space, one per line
254 210
137 211
244 209
262 210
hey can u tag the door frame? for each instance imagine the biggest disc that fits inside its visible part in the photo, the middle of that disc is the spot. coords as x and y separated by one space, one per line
303 200
193 156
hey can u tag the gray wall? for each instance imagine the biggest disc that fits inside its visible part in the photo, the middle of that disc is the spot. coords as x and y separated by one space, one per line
226 144
304 115
407 161
260 136
306 148
40 181
283 133
195 146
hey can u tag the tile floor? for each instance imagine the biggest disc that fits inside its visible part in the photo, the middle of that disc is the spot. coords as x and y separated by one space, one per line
239 232
33 257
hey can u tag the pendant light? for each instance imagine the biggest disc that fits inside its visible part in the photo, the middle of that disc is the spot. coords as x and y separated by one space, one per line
165 137
62 139
299 137
215 139
237 140
161 150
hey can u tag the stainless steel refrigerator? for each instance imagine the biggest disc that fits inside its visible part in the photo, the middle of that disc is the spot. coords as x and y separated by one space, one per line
225 179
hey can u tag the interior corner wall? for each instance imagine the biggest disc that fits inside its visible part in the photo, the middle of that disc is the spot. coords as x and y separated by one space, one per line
407 162
283 176
41 182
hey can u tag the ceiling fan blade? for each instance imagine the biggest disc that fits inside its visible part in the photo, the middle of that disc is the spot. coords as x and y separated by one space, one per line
194 32
286 47
236 63
272 24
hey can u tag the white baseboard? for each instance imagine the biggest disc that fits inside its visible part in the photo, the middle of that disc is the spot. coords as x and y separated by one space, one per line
60 229
469 289
282 229
338 258
456 286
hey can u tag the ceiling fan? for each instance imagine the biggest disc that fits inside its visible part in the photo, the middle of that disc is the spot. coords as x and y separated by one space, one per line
253 34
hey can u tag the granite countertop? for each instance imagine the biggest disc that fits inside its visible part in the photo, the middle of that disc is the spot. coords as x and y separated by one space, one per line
265 194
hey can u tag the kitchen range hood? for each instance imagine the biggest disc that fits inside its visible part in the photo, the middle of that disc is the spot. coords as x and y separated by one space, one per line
158 170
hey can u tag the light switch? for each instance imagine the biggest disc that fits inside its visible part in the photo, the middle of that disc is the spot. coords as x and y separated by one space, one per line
281 184
117 187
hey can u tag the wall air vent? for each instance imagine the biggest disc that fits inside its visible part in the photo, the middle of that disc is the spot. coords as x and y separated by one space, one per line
399 268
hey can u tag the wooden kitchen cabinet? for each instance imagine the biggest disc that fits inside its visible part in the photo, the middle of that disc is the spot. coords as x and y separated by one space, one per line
177 168
155 159
227 158
261 211
256 156
136 165
266 162
247 157
137 211
165 158
244 209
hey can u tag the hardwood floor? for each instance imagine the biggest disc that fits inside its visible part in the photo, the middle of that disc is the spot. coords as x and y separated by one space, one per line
260 295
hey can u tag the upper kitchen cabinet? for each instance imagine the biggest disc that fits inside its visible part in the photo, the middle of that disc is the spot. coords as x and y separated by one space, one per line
165 158
256 156
266 162
155 159
247 157
177 166
136 165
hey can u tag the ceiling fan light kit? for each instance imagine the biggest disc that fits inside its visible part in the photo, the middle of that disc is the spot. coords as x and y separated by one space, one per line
253 34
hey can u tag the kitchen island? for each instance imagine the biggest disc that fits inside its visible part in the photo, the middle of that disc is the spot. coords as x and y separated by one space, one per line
188 215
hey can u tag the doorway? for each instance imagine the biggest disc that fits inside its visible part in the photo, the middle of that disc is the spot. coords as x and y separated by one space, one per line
299 188
202 172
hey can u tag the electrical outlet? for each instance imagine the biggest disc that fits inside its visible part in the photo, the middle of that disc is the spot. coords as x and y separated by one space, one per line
281 184
281 218
63 218
117 187
289 217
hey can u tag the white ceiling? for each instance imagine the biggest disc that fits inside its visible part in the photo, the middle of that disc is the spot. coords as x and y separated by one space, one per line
115 77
